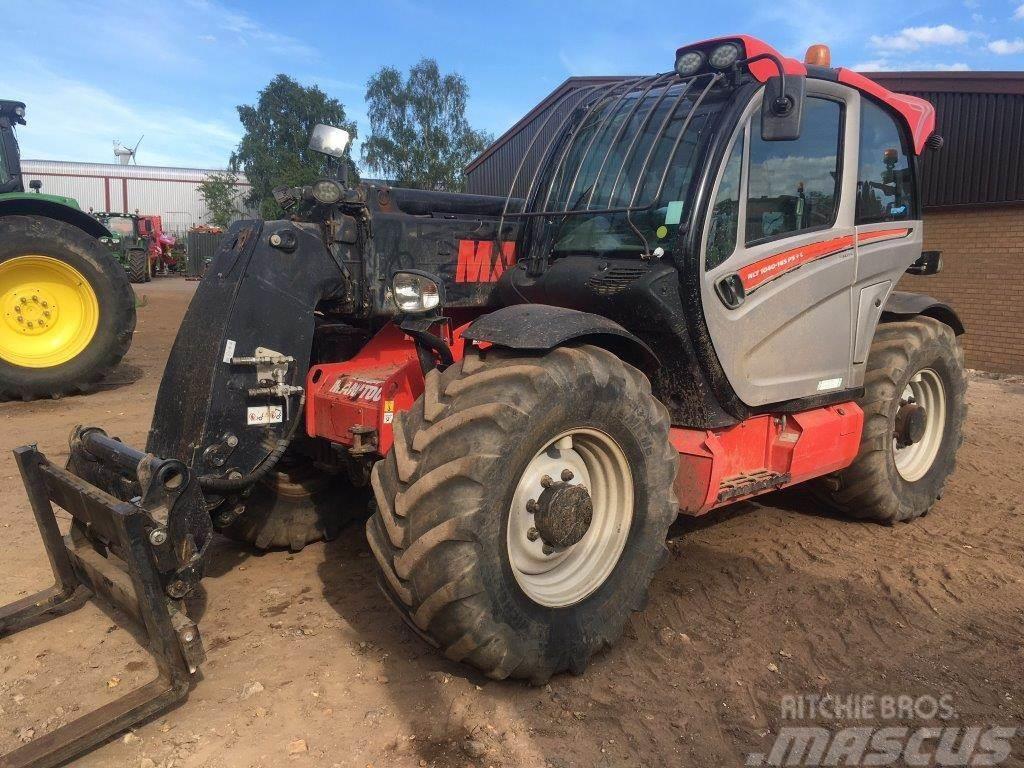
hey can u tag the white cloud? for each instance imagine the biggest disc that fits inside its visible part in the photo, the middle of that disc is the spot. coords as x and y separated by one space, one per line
913 38
1007 47
873 65
1019 13
70 119
246 31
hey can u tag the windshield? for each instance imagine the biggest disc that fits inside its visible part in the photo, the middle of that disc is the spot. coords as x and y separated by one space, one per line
121 225
631 161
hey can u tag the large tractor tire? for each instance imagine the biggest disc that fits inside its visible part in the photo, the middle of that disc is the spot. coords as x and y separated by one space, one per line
914 408
292 507
523 509
67 312
138 267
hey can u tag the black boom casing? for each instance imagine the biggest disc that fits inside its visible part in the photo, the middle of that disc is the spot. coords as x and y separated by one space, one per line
253 295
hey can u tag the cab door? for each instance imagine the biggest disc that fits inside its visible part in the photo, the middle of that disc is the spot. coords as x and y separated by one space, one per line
778 255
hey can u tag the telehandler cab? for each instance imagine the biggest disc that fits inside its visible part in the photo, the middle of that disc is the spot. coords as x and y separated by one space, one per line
688 301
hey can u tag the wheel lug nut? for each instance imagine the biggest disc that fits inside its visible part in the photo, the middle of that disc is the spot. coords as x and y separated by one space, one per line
24 300
21 319
35 298
547 549
46 304
567 475
17 308
546 481
30 324
46 313
533 534
531 506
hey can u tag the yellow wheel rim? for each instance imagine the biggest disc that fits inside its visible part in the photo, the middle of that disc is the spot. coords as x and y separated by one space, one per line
48 312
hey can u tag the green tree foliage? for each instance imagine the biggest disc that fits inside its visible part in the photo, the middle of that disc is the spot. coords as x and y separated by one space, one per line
419 135
274 149
220 194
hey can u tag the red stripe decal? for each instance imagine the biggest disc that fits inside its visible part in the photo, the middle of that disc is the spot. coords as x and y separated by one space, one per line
753 276
879 235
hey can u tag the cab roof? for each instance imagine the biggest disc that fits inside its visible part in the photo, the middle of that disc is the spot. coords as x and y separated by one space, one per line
917 114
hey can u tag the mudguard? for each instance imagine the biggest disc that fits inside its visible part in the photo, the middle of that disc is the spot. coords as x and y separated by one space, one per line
902 305
541 327
31 204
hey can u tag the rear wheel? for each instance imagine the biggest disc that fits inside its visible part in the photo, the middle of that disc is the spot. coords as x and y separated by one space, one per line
523 510
67 313
914 407
138 267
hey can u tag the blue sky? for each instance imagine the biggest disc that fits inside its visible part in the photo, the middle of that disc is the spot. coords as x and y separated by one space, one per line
175 69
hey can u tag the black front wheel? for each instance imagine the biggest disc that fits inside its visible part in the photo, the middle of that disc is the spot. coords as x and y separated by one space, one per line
523 510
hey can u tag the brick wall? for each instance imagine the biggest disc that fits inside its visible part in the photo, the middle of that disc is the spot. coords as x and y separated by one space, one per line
982 278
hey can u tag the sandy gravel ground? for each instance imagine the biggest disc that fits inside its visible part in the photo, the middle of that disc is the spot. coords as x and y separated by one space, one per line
309 666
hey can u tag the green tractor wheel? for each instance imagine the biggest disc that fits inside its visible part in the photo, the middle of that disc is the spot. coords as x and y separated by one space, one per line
67 312
138 267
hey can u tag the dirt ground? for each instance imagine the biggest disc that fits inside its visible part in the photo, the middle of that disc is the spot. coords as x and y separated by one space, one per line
309 666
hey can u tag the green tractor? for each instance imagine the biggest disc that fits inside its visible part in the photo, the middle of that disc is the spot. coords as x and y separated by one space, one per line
127 244
67 312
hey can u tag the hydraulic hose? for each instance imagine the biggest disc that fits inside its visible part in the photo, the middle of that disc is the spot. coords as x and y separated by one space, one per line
232 484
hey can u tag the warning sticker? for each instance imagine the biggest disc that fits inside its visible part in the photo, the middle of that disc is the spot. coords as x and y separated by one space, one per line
389 417
389 406
229 350
264 414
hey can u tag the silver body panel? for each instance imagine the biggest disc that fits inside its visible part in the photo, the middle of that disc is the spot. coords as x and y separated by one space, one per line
807 331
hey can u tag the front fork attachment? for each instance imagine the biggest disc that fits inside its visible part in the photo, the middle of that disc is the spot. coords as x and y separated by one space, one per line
138 539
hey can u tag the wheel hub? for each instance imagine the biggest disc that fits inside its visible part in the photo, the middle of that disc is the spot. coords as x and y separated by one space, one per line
50 311
564 513
911 424
30 311
565 536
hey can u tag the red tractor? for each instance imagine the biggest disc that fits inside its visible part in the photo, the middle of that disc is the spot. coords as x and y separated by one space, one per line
690 302
162 259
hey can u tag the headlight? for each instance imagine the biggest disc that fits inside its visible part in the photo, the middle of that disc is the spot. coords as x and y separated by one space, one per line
416 292
689 63
326 192
19 111
724 56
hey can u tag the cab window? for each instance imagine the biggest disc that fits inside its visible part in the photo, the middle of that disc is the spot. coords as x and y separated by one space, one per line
794 185
885 182
725 215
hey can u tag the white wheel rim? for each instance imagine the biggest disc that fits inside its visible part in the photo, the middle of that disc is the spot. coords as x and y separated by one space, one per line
567 577
914 461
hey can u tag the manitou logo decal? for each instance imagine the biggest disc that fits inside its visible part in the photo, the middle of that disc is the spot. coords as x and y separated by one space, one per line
478 264
357 389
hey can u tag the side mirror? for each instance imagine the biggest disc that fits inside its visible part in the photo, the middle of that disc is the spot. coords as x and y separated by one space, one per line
928 263
329 140
35 184
782 110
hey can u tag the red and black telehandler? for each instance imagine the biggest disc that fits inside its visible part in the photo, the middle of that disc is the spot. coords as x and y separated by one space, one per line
686 299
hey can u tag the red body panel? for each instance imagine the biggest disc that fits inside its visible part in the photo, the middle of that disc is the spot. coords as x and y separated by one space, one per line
366 391
918 113
801 445
385 378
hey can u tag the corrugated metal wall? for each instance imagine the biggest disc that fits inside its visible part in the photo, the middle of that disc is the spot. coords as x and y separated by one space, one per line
494 171
982 161
172 193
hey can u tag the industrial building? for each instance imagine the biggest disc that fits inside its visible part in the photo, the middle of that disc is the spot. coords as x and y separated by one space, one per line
172 193
973 195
